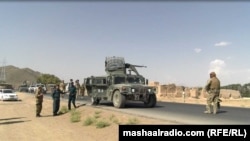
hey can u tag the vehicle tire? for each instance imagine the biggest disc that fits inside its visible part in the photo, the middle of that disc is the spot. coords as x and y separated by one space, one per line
119 100
94 101
151 101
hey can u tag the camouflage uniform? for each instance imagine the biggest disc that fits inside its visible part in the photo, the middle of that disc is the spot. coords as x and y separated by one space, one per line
39 101
78 88
82 90
213 89
62 87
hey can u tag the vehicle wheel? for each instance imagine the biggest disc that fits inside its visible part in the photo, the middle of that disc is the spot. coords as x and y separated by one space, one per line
119 100
94 101
151 101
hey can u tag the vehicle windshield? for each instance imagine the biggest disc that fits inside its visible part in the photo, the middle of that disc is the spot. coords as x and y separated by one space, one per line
99 81
7 91
119 80
134 80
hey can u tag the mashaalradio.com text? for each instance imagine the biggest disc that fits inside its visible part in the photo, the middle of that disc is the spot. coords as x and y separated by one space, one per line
159 132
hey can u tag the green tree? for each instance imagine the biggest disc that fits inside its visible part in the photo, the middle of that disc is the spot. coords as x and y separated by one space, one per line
48 79
245 91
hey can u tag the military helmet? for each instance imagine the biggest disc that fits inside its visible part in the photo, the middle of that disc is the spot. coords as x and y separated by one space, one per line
212 73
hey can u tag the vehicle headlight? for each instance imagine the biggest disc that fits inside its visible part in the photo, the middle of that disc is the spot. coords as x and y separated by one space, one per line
132 90
149 90
100 90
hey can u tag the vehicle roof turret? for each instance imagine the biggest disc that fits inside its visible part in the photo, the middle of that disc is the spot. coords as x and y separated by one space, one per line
118 65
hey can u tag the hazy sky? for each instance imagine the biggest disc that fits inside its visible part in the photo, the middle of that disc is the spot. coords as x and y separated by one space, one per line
179 42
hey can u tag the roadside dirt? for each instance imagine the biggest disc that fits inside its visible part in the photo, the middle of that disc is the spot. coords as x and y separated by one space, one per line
18 121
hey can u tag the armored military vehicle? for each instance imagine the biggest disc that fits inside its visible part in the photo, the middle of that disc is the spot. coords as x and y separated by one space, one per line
121 83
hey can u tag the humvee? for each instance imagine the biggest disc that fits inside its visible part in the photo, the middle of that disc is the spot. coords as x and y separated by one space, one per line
121 83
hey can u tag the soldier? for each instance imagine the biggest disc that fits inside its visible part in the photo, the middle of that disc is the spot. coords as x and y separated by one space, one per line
39 101
78 88
72 95
83 90
56 99
70 83
62 88
213 89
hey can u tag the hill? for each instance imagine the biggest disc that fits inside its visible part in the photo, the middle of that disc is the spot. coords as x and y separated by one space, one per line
17 76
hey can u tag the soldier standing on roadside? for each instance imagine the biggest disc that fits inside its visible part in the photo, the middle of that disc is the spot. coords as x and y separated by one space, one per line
72 95
213 89
62 87
78 88
70 83
56 99
83 90
39 101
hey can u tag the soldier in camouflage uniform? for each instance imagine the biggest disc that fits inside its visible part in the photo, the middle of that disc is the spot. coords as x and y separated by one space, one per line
213 89
78 88
39 101
62 87
83 90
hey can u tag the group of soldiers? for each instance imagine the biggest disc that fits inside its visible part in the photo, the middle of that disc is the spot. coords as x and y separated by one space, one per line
60 89
80 89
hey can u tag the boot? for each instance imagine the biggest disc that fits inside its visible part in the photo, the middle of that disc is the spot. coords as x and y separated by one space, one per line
215 107
218 105
208 111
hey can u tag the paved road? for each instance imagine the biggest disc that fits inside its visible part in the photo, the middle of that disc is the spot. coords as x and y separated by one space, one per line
180 112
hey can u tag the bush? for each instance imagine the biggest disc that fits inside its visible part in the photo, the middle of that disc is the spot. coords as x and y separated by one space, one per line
75 116
114 119
97 114
63 110
133 121
102 124
89 121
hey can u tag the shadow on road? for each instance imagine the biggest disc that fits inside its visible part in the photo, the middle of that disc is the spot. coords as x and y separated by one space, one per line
81 105
221 111
129 105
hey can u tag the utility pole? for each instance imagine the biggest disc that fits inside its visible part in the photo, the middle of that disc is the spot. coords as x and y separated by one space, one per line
3 75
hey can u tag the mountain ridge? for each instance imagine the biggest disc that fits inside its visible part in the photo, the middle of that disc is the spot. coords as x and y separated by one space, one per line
17 76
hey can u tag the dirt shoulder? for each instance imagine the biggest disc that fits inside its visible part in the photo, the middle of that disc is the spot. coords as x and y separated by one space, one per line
19 123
